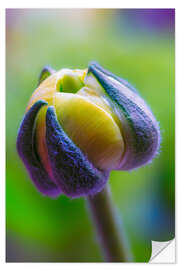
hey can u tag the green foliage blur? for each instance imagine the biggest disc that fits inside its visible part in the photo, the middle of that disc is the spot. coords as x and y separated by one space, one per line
59 230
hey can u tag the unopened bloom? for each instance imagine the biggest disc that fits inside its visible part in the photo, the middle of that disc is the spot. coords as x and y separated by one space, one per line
80 125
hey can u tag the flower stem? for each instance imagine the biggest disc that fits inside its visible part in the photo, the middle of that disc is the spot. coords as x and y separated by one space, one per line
104 218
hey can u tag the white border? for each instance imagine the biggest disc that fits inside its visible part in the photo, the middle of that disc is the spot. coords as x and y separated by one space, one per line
70 4
88 4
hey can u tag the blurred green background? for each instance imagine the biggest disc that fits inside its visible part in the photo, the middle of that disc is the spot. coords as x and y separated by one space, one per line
137 45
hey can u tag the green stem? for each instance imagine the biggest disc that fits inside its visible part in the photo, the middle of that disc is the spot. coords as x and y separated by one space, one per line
104 218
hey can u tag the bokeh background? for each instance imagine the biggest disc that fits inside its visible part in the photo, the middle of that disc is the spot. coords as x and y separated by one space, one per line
136 44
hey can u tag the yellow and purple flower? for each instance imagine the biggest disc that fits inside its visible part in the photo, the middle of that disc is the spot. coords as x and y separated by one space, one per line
80 125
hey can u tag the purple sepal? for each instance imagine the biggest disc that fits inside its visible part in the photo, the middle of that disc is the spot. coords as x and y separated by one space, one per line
71 169
45 73
139 127
26 150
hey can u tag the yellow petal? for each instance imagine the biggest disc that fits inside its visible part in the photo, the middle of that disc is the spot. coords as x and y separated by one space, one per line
70 83
72 80
46 94
91 128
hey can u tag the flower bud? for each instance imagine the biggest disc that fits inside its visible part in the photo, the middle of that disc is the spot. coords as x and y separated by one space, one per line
80 125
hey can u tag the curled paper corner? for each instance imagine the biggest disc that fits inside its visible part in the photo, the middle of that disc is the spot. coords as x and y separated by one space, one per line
163 252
